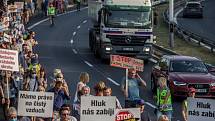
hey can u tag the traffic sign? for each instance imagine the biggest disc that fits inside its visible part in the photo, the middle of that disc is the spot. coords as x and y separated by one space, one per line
121 116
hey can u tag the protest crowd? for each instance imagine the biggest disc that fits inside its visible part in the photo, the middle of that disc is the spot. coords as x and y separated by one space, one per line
32 76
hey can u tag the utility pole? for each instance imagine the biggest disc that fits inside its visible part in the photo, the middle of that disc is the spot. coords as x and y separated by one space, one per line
171 23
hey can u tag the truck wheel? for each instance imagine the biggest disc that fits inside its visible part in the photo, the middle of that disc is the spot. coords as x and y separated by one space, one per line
96 52
90 40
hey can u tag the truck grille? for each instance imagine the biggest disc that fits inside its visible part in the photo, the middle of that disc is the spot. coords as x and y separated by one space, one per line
127 40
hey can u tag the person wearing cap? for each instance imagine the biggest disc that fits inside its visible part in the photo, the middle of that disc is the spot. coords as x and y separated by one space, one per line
143 113
191 93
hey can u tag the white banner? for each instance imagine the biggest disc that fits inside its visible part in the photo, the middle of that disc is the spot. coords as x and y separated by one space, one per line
129 114
98 108
201 109
9 60
38 104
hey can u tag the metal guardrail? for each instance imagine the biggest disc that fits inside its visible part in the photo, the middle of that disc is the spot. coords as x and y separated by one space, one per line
159 51
187 34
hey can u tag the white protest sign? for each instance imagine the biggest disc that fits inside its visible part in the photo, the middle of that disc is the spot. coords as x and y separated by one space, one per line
12 8
35 103
6 22
98 108
9 60
129 114
20 6
201 109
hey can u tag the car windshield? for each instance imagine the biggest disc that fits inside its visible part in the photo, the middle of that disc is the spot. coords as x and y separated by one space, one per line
193 5
131 19
188 66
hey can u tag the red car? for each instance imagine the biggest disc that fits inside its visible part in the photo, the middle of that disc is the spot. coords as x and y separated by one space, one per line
183 72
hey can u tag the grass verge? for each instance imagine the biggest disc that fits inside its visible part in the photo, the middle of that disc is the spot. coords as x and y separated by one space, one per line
181 46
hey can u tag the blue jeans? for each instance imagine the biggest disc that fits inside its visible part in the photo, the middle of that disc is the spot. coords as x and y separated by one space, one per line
167 113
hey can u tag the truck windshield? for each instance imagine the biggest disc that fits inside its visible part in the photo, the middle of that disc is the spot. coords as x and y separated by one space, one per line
128 19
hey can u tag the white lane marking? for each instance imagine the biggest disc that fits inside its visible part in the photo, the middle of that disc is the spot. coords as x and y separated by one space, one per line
117 84
153 60
74 51
151 105
85 21
71 41
88 64
39 22
74 33
79 27
32 26
176 15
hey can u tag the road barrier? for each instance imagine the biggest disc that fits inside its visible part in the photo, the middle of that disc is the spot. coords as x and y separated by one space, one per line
187 34
159 51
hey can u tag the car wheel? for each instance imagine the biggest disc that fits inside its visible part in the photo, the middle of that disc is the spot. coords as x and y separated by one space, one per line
153 86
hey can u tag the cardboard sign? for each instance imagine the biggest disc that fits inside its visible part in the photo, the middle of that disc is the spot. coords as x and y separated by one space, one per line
35 103
201 109
126 62
6 22
20 6
12 8
9 60
129 114
98 108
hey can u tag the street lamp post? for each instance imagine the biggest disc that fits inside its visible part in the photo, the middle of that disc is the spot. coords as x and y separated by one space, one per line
171 23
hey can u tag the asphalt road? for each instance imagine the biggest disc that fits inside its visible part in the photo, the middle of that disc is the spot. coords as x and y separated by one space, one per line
204 27
65 46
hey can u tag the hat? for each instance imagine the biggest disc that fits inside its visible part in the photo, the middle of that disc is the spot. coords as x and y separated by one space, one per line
191 90
141 102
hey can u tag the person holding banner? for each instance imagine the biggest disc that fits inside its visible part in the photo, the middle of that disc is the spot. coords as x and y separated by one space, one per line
132 91
8 91
191 93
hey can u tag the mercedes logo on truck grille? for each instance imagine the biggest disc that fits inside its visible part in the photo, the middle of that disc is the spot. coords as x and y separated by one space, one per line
128 39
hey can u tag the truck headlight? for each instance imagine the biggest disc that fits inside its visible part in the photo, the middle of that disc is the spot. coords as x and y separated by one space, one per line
179 83
146 49
212 84
108 48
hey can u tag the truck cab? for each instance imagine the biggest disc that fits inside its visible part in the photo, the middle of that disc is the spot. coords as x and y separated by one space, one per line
121 27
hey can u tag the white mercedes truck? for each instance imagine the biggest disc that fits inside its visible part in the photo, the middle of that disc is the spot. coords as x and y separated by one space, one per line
121 27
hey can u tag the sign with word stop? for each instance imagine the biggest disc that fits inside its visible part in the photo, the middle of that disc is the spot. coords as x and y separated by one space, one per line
126 62
130 114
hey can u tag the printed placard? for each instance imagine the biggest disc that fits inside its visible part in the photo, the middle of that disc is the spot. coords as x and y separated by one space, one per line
20 6
128 114
201 109
9 60
6 22
98 108
12 8
35 103
126 62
